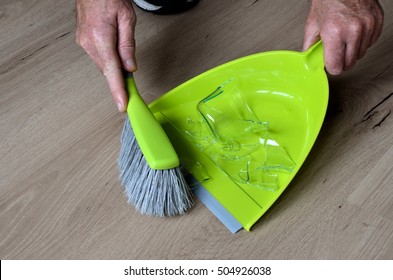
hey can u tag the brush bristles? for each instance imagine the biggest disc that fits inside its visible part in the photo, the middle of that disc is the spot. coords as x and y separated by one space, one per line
152 192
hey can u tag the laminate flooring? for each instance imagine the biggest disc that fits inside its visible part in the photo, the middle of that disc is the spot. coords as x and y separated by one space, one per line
60 196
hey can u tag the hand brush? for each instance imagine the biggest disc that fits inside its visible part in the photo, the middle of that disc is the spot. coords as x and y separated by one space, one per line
148 163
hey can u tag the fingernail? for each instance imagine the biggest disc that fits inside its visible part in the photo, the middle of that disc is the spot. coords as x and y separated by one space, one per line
130 64
335 72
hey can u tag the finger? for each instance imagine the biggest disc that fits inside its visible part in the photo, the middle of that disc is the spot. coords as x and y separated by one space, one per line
351 54
334 55
365 43
369 23
310 39
378 26
126 40
311 33
354 35
91 50
111 68
114 75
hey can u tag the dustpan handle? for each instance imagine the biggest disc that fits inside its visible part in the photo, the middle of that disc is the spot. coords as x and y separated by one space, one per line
314 56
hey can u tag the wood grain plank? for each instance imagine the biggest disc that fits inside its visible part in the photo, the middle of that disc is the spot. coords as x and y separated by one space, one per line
375 193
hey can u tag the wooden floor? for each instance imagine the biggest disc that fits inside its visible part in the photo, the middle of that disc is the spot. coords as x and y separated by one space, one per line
60 197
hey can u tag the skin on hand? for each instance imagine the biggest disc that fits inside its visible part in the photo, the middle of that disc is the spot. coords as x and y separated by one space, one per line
105 30
347 29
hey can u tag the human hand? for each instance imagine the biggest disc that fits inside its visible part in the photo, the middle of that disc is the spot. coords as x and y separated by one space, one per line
347 29
105 30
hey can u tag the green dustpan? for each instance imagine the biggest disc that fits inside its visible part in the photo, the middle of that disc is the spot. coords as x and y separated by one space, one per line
287 90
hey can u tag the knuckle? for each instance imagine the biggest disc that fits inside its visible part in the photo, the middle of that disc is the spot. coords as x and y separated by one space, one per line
132 17
78 37
85 38
380 17
97 34
333 28
356 26
82 41
109 69
127 44
381 14
311 29
128 15
78 41
369 21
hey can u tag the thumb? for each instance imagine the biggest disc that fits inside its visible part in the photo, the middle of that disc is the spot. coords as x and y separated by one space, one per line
126 43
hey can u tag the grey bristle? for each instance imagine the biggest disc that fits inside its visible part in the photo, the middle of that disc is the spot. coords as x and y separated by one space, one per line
152 192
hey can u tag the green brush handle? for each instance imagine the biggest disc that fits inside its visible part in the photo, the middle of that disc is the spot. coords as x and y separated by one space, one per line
152 139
